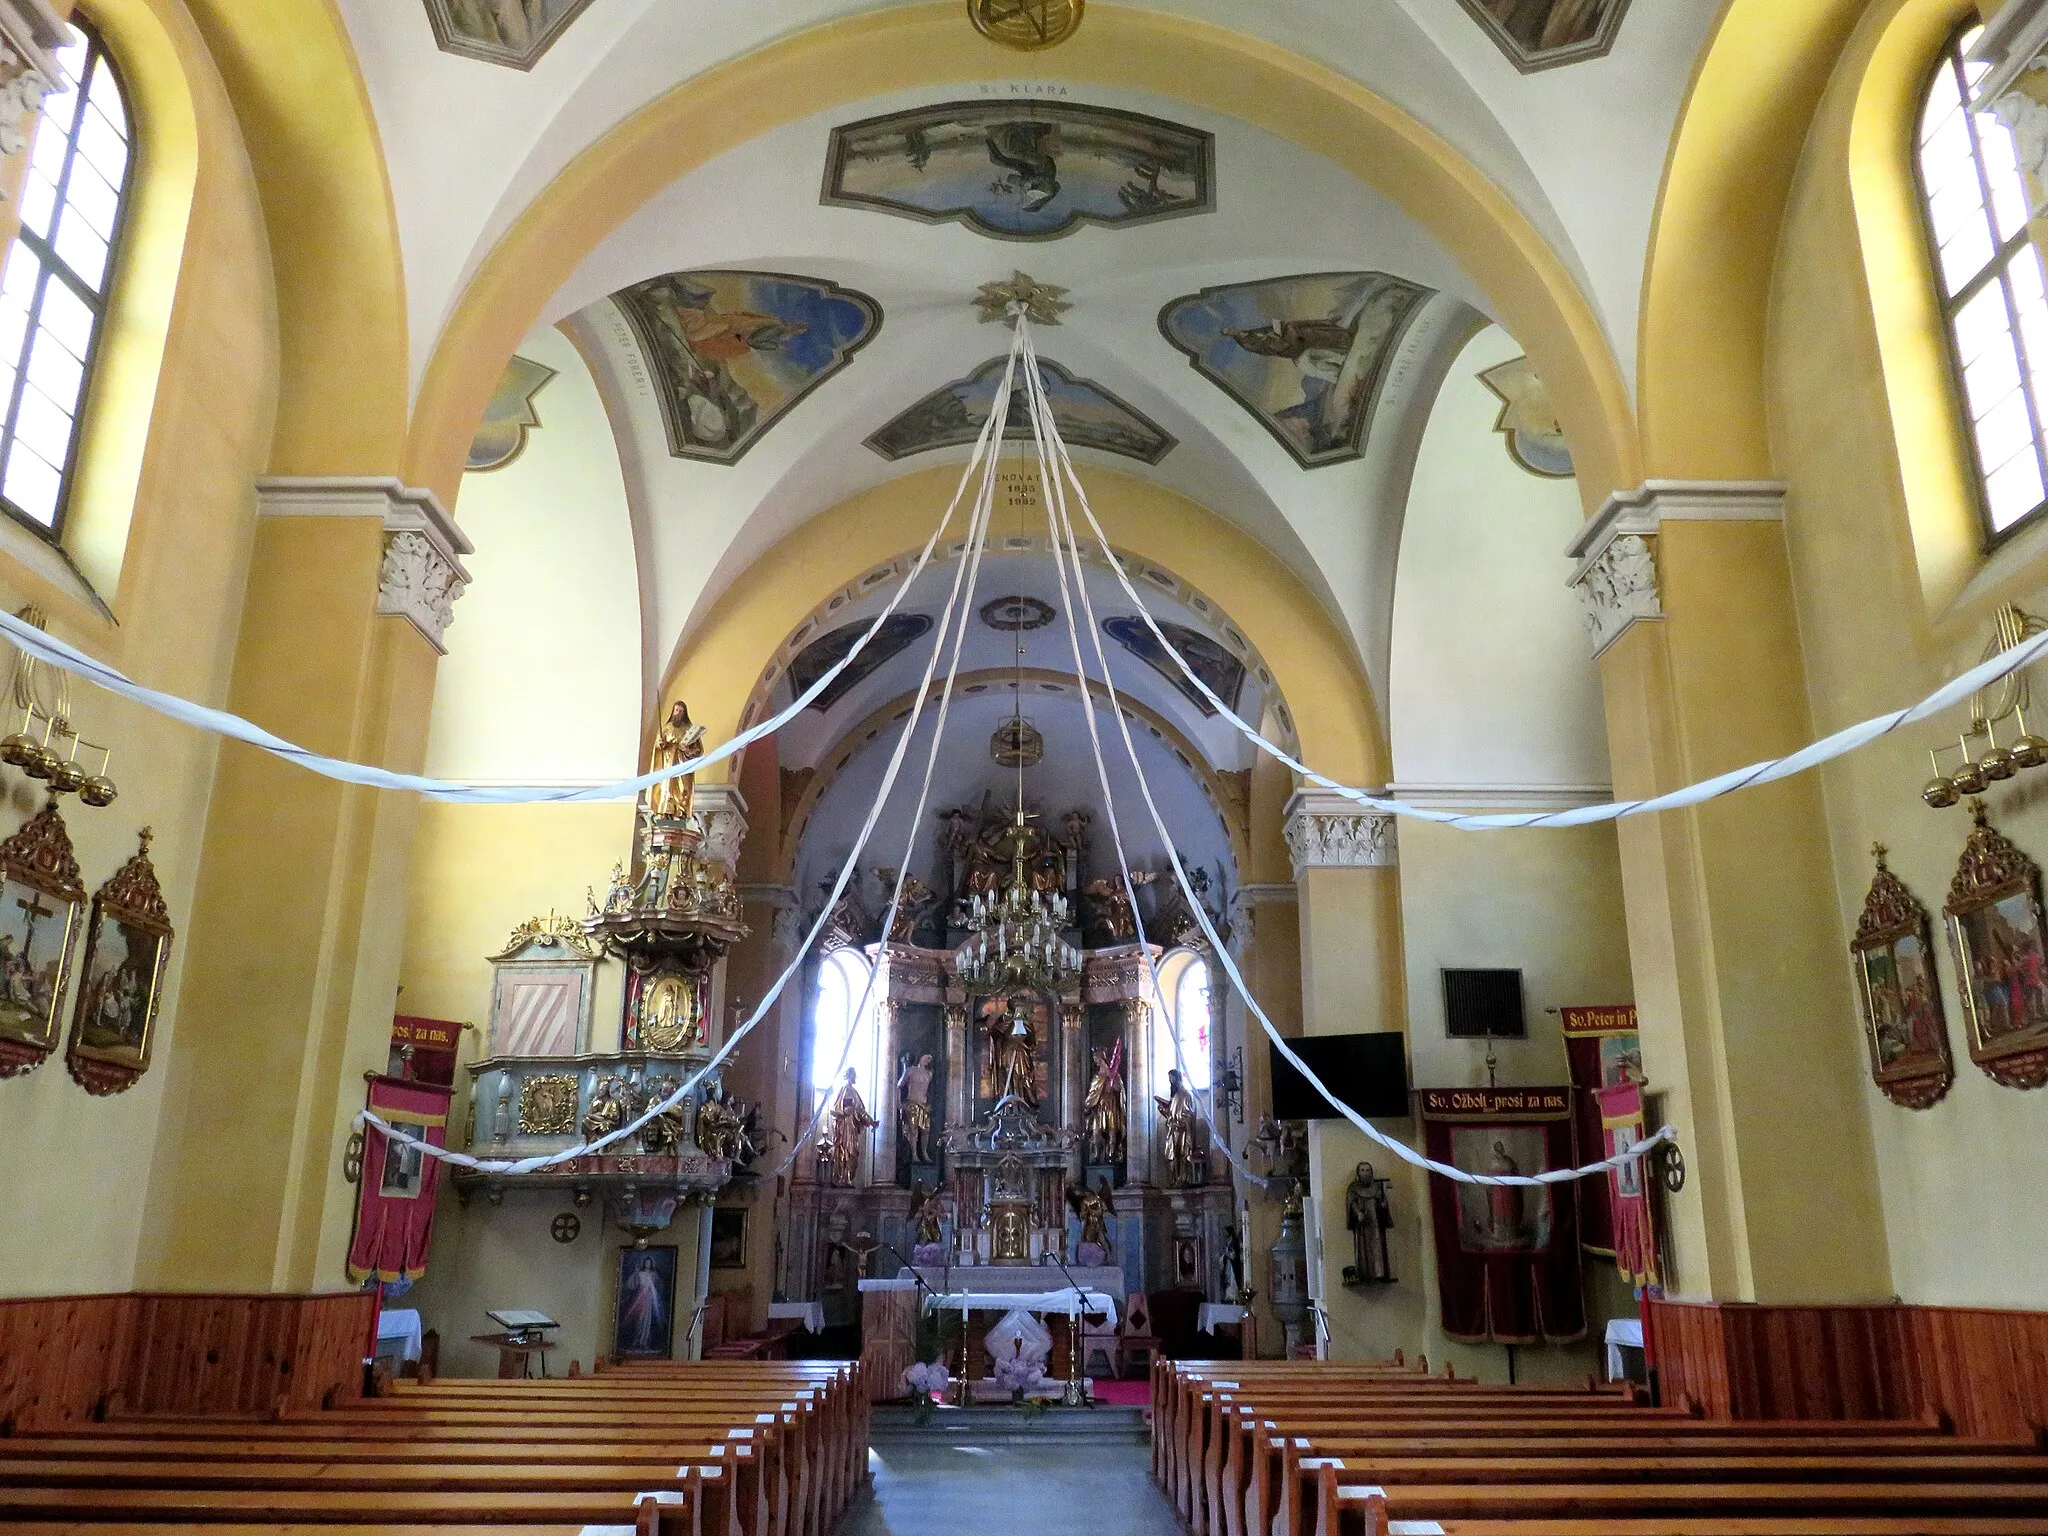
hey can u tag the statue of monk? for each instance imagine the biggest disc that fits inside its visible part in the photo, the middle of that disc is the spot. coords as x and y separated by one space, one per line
1177 1129
1012 1053
846 1126
679 741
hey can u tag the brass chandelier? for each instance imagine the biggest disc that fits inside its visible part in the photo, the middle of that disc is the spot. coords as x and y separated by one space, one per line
1016 941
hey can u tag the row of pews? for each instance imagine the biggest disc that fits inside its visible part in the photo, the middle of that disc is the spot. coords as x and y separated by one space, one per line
717 1448
1316 1448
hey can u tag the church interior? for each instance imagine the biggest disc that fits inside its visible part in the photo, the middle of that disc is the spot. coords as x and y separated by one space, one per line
794 767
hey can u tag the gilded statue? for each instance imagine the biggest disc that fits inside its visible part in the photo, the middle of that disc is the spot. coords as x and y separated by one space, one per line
679 741
914 1106
611 1103
1108 1116
928 1211
846 1126
663 1135
1093 1206
1012 1052
720 1131
1177 1130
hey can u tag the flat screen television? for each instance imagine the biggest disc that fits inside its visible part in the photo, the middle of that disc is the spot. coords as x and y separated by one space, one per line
1369 1072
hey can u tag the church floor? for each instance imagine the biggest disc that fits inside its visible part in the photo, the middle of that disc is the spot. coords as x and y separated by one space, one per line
1066 1484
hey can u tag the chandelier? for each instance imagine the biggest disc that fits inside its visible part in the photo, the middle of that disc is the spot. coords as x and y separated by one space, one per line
1016 943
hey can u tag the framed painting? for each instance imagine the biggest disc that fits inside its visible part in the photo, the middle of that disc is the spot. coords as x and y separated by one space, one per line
514 33
1542 34
728 1237
42 901
1996 933
644 1311
1903 1026
121 982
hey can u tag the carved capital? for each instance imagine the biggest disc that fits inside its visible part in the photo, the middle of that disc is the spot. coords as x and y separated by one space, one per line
2028 120
1618 588
721 812
30 35
422 572
1327 831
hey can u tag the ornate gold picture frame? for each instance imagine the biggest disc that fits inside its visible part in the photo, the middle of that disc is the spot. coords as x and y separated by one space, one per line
41 900
2000 943
121 981
1903 1023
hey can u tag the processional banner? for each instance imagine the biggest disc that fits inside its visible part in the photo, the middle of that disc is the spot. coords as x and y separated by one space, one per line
434 1045
1604 1050
1628 1190
1507 1256
395 1192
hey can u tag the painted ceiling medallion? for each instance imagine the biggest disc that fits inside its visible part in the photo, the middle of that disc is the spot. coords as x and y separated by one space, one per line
1542 34
898 632
1042 303
514 33
1028 25
501 436
1021 170
1088 416
1016 614
1306 356
1528 420
732 352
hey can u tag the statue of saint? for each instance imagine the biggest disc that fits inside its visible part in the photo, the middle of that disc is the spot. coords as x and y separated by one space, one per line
1108 1117
719 1130
846 1126
611 1102
914 1105
1093 1206
678 741
1369 1219
1012 1053
928 1211
1177 1131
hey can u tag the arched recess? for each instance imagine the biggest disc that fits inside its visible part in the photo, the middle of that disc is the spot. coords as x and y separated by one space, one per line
340 284
904 47
716 665
865 732
1706 284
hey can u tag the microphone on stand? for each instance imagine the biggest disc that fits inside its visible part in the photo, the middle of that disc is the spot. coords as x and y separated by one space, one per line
1076 1397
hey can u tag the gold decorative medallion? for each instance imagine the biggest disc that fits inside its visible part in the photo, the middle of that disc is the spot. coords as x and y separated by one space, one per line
547 1105
1027 25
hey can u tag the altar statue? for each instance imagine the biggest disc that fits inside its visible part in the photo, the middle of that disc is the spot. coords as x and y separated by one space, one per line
1369 1220
611 1103
927 1211
1012 1053
720 1132
1177 1129
914 1106
679 741
846 1126
1093 1206
1108 1117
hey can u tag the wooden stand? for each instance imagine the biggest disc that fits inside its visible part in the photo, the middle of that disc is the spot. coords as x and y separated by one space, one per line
515 1355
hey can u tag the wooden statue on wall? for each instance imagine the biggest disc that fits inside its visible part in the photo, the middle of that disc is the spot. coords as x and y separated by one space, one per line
1895 980
2000 944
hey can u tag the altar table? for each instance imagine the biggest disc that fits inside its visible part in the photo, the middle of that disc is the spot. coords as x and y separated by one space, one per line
810 1313
1067 1302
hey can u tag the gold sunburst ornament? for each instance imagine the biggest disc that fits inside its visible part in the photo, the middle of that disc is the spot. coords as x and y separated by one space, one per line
1027 25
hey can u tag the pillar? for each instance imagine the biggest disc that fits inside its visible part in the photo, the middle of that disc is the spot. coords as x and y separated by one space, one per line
959 1080
1353 981
1142 1161
1750 1039
1074 1076
297 923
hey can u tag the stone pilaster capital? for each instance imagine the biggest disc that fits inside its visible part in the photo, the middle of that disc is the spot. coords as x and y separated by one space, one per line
1325 830
721 811
422 573
2014 40
1616 570
31 32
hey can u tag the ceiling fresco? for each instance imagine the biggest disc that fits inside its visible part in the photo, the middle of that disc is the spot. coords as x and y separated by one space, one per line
732 352
501 436
1223 672
514 33
1542 34
1528 419
1021 171
1306 356
897 633
1088 416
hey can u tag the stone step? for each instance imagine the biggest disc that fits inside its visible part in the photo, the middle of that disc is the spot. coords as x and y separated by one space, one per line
1001 1424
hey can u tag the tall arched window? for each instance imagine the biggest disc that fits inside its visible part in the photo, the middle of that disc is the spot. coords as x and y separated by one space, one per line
1183 1017
842 1035
1992 292
53 290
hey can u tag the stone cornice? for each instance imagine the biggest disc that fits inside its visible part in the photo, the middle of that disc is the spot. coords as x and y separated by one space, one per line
1325 830
423 574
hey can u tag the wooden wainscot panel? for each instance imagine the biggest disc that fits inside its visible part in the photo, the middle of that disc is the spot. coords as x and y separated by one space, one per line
61 1357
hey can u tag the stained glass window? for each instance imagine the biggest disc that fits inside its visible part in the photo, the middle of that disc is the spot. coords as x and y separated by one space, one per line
1992 293
53 289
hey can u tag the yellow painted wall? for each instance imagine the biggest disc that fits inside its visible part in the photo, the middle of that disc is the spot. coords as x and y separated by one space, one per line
76 1197
1965 1184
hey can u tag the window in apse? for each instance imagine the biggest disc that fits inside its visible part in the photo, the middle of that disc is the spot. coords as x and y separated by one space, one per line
839 1039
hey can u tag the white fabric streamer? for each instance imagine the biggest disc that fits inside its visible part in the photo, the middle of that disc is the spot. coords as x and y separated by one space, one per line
1066 550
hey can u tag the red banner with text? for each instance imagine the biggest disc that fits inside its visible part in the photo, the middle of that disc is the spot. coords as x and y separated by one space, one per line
395 1195
1628 1187
1603 1049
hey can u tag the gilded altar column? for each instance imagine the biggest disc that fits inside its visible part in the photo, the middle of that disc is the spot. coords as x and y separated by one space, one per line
1073 1078
959 1104
1733 929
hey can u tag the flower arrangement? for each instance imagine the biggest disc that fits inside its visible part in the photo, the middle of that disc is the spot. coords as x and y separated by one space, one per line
926 1382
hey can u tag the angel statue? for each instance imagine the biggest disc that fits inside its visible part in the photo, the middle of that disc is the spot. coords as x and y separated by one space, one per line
846 1127
1093 1206
928 1210
679 741
1177 1129
1108 1117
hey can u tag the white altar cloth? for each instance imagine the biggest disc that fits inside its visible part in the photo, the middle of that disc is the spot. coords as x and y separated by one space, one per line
1016 1279
400 1326
1214 1314
810 1313
1067 1301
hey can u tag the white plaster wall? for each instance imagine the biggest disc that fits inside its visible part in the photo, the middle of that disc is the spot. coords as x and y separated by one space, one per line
542 677
1492 683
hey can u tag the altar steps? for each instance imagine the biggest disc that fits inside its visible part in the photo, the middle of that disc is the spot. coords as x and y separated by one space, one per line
996 1424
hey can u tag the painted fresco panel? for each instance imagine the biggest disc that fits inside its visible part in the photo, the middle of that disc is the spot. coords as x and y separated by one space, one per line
1088 416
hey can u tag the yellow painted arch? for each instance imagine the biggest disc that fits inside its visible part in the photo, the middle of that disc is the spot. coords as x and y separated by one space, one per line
1121 47
1312 662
